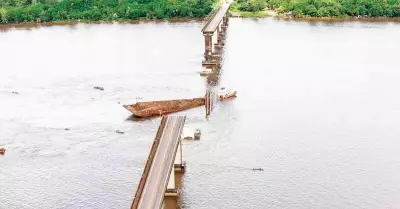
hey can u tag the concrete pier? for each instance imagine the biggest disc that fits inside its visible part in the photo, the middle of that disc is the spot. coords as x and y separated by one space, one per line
214 32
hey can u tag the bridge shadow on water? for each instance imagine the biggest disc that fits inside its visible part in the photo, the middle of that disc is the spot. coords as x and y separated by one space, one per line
175 202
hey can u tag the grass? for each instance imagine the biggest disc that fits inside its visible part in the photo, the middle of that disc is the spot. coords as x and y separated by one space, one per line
259 14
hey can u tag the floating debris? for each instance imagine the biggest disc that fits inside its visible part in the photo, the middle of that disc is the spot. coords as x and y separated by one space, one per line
258 169
119 132
197 134
158 108
2 151
14 92
99 88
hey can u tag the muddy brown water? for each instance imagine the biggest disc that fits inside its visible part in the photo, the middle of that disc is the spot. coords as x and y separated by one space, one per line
317 109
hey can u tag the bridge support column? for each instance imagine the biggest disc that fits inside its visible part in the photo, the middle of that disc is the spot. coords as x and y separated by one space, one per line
208 41
219 43
209 49
179 166
225 20
172 189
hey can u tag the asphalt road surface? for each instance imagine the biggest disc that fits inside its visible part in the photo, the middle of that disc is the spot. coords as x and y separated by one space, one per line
212 26
157 180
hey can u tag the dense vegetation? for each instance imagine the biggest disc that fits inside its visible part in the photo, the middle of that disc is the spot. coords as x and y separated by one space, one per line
18 11
325 8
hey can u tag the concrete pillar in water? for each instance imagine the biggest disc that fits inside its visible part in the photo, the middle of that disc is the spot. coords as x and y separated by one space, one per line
208 44
220 37
179 165
172 190
226 19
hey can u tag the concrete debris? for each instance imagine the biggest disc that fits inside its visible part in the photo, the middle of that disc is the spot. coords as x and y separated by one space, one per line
2 151
99 88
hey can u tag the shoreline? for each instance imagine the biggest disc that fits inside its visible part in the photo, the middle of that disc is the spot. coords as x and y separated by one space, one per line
5 27
74 22
329 19
345 19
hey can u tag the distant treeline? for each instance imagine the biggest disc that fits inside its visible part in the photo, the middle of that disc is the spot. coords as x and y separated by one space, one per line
18 11
325 8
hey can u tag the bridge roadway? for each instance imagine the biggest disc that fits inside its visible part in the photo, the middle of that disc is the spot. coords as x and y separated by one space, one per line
155 183
214 21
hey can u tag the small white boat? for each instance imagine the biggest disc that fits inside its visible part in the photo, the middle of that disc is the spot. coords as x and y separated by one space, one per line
226 93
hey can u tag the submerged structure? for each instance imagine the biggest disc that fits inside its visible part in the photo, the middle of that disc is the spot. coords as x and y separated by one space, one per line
159 108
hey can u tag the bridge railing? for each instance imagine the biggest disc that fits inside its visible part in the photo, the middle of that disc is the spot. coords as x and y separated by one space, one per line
148 163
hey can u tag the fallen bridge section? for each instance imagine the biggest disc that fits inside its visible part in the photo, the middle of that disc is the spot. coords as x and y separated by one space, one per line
165 155
158 108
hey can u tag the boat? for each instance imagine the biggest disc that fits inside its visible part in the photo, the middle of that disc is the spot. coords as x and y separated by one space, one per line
258 169
226 93
2 151
158 108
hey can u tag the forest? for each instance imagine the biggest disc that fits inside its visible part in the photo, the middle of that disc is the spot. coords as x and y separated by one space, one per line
325 8
20 11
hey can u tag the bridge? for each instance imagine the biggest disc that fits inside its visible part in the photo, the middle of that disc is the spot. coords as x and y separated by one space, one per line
165 158
214 32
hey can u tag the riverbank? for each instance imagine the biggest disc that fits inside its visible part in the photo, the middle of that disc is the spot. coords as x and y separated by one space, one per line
262 14
321 8
26 25
7 27
244 14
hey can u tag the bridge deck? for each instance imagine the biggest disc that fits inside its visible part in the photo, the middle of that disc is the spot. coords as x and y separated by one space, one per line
155 177
214 21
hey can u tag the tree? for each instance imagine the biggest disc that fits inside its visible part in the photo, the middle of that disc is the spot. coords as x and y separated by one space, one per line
310 10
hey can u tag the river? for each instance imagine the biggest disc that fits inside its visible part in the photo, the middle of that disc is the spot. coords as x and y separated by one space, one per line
317 109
